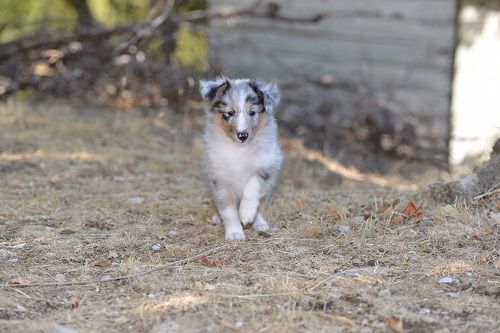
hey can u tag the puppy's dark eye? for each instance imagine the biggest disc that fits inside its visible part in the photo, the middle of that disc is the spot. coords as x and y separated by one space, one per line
228 115
252 113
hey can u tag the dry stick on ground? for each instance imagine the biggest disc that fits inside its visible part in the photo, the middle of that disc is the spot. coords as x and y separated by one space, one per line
117 278
490 192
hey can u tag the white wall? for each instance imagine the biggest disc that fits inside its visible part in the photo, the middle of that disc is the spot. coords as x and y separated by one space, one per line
476 102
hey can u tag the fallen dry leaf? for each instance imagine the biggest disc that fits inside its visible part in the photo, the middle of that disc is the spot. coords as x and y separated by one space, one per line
20 281
102 262
394 324
487 229
98 223
74 304
385 207
412 209
333 213
206 261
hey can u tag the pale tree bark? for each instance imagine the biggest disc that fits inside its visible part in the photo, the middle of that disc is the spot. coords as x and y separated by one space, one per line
482 183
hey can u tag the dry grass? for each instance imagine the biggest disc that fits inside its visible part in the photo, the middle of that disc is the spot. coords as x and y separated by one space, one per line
67 174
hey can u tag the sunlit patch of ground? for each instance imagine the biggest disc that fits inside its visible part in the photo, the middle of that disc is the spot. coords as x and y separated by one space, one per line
89 195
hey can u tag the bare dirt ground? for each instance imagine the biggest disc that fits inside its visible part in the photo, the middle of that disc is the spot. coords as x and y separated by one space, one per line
104 227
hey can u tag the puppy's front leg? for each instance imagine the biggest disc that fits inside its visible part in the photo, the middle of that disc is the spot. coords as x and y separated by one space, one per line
250 200
227 207
232 225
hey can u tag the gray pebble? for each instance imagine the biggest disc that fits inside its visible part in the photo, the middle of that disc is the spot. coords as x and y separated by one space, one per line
343 228
156 247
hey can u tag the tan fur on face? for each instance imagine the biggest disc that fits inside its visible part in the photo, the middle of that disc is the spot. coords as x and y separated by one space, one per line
226 103
223 124
263 121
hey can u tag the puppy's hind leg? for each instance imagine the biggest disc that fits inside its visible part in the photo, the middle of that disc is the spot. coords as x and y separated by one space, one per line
216 219
260 223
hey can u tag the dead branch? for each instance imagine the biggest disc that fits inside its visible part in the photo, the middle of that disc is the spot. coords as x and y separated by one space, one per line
147 30
118 278
272 12
23 45
203 15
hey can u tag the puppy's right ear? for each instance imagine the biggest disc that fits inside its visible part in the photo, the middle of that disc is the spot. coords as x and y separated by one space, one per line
210 90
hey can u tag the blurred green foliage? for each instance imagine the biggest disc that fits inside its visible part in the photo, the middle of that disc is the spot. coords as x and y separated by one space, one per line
27 17
192 49
20 18
111 13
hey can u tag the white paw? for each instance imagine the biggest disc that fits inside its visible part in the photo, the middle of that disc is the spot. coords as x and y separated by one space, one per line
235 235
260 225
247 214
216 219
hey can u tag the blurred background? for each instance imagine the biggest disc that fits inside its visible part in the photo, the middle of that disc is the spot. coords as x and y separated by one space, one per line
382 86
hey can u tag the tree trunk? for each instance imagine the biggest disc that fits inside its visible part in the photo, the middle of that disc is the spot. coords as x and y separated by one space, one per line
85 19
486 179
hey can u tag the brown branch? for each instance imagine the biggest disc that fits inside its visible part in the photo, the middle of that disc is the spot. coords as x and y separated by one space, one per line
118 278
202 15
27 44
250 11
146 28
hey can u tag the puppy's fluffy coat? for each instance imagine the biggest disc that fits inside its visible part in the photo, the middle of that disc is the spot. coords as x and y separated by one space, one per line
242 152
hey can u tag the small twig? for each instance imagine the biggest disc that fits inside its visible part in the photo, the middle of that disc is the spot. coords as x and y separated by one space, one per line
117 278
490 192
258 295
319 284
341 319
36 298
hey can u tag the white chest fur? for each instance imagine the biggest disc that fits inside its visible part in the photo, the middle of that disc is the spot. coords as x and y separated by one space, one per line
233 163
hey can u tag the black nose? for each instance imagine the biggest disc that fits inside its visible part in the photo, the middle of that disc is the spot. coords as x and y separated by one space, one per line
242 136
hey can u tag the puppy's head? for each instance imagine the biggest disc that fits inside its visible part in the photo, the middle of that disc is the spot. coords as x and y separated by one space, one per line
239 107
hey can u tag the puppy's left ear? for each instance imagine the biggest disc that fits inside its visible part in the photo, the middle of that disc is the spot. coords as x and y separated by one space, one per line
269 92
